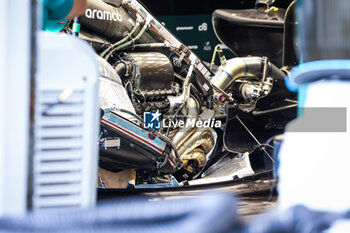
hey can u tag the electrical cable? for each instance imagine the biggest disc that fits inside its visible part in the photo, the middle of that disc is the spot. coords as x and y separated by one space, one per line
257 141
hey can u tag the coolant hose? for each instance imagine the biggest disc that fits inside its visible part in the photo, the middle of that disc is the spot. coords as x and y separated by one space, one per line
138 36
125 39
244 67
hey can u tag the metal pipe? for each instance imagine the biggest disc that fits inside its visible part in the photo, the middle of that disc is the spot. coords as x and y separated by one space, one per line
221 56
202 138
241 68
197 154
193 143
183 134
183 98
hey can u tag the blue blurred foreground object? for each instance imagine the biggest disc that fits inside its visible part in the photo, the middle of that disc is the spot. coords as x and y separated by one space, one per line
54 13
298 219
314 161
206 214
209 213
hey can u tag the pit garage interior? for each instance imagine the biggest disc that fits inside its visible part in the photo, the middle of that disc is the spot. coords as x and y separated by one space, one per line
174 116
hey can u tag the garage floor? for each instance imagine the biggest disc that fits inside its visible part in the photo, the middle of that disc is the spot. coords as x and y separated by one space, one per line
255 194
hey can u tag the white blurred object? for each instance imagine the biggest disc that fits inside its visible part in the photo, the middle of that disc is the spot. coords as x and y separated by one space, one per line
339 227
314 167
66 124
15 81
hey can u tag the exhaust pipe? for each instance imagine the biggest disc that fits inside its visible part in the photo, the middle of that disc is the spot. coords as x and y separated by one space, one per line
243 67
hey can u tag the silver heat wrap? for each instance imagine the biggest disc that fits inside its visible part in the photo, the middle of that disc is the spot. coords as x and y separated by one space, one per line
111 90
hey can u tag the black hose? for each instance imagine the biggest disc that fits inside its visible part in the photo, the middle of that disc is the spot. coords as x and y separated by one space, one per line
164 162
256 64
168 140
121 69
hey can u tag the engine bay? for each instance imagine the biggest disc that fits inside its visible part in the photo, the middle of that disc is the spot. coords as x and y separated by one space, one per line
166 114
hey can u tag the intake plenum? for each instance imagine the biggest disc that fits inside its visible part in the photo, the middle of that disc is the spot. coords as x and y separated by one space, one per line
149 71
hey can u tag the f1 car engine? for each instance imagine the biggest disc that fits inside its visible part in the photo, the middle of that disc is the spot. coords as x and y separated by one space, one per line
160 75
150 78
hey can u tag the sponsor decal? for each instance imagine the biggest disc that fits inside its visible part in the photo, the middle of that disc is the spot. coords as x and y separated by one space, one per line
206 87
187 28
203 27
103 15
207 46
131 22
152 120
110 143
193 47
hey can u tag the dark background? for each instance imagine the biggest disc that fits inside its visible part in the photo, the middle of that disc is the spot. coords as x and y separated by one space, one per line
201 7
179 14
194 7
